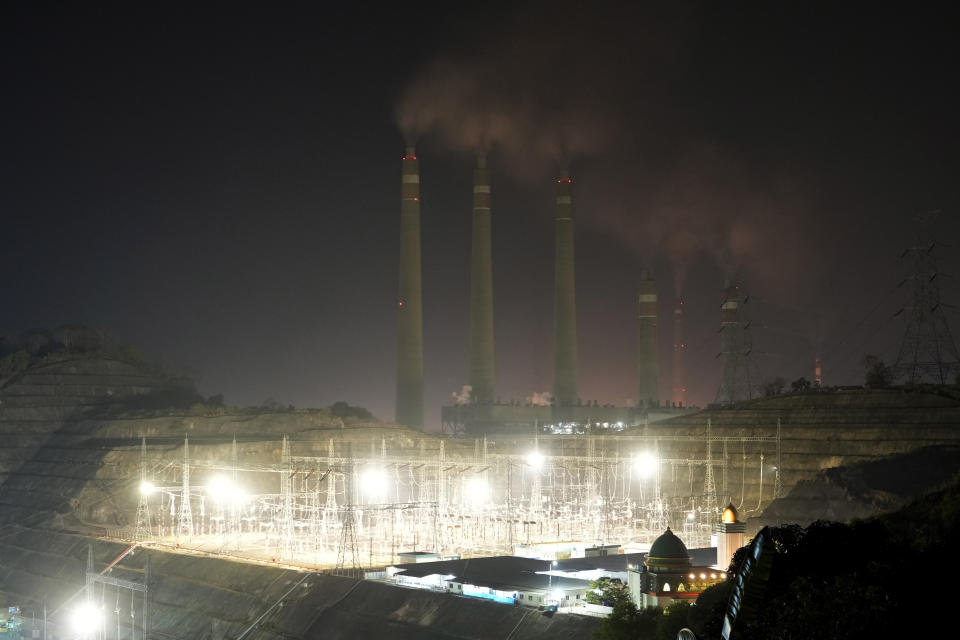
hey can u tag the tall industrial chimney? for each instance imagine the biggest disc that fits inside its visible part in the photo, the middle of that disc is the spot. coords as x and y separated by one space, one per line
648 363
735 381
564 300
409 302
679 391
481 290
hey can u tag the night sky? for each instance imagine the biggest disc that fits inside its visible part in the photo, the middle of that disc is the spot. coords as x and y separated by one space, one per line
220 187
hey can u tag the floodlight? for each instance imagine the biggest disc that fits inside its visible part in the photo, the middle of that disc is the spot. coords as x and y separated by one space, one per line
535 459
222 489
85 619
478 490
558 595
646 464
146 487
373 482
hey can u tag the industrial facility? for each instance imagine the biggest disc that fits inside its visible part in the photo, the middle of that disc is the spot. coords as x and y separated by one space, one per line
482 413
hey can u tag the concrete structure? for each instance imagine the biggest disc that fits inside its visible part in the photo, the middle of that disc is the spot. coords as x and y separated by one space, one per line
729 536
481 377
409 301
648 361
735 383
679 391
668 574
564 301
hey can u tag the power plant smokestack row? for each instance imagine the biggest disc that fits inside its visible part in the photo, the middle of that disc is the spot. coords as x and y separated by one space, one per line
410 299
648 367
481 290
564 300
409 397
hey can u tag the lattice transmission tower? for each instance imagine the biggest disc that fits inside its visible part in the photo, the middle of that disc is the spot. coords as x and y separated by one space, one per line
928 352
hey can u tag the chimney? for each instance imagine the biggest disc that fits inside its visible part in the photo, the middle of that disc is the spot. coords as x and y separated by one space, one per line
564 301
735 380
679 391
481 290
409 303
648 365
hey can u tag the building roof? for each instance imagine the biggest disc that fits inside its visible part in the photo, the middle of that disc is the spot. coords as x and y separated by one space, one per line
502 566
668 546
523 581
491 566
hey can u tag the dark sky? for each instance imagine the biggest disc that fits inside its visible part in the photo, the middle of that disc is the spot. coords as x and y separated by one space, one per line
220 186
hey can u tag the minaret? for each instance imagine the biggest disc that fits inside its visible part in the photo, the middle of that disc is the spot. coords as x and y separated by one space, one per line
409 304
730 534
564 301
648 364
481 290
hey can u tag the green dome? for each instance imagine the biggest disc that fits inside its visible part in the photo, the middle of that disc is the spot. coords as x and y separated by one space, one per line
668 547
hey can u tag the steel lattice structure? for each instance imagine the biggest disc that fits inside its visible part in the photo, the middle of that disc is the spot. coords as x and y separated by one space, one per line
343 510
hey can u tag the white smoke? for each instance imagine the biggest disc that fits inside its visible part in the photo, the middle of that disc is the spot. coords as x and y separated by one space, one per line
462 396
540 399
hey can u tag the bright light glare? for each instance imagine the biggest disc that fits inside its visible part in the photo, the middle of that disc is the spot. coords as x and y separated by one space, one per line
146 487
373 482
478 490
222 489
85 619
646 464
558 595
535 459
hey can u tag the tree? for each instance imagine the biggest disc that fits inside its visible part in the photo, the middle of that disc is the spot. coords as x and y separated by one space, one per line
800 384
878 375
608 591
706 618
627 622
674 618
774 386
343 409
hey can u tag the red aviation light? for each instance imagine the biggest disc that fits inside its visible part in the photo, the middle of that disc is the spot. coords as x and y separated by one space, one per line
399 303
417 199
569 180
409 157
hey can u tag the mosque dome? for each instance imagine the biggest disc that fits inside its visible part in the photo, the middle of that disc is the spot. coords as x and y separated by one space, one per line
668 553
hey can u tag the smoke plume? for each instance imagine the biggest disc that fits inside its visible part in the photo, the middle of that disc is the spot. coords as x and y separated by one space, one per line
608 91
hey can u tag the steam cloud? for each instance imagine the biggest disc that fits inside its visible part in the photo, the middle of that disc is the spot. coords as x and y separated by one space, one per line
561 84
